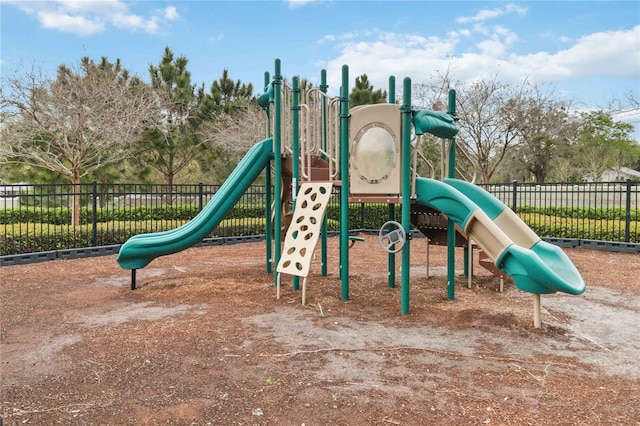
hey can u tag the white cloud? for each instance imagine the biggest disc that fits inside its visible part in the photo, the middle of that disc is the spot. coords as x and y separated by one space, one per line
498 43
327 38
613 53
91 17
215 39
70 23
458 33
171 13
608 54
391 54
340 37
293 4
486 14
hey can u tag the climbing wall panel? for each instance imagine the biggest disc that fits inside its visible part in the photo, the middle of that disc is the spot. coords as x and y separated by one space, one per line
304 231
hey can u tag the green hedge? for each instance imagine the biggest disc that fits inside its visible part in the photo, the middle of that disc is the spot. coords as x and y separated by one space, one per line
372 217
374 214
62 216
46 238
588 229
53 232
583 213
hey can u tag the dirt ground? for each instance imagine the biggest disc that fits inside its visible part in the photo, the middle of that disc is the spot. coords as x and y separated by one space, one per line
203 341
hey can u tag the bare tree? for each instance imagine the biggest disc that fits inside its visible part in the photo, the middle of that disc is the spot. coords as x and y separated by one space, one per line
486 116
488 124
433 93
73 125
236 132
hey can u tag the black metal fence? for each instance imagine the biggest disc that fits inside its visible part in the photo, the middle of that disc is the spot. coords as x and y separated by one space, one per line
41 218
597 211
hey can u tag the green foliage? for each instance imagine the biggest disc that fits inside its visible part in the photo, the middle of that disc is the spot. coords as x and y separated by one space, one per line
603 143
44 237
28 231
582 213
362 216
363 93
171 144
226 96
62 216
601 230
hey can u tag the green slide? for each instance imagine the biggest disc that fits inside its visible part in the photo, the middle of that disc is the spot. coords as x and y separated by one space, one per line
534 265
139 250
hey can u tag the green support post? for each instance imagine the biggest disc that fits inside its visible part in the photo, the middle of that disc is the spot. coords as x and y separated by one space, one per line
277 149
295 157
391 263
323 229
465 255
344 177
267 185
392 207
407 115
451 226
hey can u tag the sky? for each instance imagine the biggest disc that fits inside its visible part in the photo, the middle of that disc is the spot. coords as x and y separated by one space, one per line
587 51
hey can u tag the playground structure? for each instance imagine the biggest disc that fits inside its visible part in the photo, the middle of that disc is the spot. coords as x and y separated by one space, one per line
316 142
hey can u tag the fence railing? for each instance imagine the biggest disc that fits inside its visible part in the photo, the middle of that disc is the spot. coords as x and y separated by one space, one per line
604 211
39 218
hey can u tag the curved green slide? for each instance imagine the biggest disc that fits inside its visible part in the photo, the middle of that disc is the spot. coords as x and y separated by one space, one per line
535 265
139 250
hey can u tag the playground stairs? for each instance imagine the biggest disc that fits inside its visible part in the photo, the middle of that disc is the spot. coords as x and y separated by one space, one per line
487 263
433 225
317 169
286 204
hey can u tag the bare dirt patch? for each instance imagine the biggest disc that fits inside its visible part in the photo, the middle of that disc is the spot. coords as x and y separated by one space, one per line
203 341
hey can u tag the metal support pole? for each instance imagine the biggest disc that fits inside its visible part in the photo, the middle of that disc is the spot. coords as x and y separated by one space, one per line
295 157
344 177
323 229
391 257
451 226
537 322
268 228
94 214
267 190
627 217
407 115
277 149
133 279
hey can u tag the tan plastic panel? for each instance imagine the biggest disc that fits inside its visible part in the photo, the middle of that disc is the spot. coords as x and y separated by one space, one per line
487 235
304 231
389 116
516 229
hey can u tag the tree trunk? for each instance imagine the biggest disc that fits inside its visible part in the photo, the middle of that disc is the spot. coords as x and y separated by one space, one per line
169 189
76 188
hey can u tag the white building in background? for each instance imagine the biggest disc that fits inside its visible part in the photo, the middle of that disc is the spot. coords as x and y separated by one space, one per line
622 174
9 194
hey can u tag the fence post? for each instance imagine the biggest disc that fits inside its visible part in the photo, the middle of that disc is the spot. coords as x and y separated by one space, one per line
514 195
94 214
200 195
627 219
